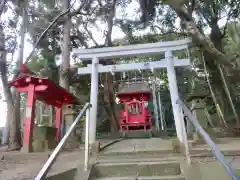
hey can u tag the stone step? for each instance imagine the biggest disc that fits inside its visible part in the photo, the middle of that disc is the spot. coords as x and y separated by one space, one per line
133 152
135 169
149 158
137 134
142 153
177 177
163 153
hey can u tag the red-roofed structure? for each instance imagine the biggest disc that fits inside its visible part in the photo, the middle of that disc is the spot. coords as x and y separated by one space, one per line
42 89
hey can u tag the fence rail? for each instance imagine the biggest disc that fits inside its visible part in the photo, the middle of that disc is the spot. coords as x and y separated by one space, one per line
217 153
43 172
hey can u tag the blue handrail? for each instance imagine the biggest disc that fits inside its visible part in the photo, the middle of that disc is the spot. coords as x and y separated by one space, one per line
217 153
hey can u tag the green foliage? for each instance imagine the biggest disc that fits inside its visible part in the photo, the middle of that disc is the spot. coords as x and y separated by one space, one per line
160 24
232 42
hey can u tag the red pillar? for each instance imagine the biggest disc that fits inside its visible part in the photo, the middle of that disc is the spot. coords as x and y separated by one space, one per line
58 122
29 120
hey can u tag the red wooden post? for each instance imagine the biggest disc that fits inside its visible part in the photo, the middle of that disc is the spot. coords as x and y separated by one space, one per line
58 122
29 120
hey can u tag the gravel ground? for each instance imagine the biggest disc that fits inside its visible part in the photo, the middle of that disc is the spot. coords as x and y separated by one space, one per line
25 166
20 166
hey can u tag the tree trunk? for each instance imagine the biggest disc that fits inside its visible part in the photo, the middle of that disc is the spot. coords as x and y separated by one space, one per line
201 40
110 102
65 65
109 95
211 47
15 137
229 96
218 109
17 122
64 68
216 38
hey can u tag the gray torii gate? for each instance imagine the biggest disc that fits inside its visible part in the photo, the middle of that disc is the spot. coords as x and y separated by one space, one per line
132 50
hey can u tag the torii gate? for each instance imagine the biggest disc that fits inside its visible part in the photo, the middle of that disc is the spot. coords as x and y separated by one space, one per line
132 50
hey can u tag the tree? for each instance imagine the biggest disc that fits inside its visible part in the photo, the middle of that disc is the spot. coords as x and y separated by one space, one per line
6 46
64 67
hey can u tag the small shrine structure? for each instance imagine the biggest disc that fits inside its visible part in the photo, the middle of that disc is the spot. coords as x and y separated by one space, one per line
45 90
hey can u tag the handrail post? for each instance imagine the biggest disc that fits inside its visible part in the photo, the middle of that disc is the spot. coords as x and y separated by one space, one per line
185 140
218 154
86 161
43 172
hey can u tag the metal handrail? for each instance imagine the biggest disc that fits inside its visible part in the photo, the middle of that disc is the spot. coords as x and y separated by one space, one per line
43 172
217 153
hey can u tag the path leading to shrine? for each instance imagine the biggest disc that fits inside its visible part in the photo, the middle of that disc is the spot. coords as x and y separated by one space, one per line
155 153
25 166
154 159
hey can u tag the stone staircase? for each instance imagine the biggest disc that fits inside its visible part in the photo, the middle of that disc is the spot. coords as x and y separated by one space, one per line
138 159
137 167
153 159
138 134
138 171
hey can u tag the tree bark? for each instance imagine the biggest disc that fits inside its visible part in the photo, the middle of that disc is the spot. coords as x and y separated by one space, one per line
15 138
229 96
218 108
109 95
64 68
110 102
17 123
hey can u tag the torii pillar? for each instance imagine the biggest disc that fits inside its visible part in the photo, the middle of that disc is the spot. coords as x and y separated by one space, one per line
129 51
173 88
93 101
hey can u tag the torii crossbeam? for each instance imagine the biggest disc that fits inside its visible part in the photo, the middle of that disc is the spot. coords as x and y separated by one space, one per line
133 66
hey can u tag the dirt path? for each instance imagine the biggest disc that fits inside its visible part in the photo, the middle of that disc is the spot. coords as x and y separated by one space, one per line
17 166
25 166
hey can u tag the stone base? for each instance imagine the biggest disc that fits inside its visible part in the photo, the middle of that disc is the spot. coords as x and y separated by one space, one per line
176 147
95 147
198 139
26 149
71 145
159 133
44 138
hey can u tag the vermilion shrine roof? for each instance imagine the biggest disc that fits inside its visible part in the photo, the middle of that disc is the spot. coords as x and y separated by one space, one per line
45 90
135 90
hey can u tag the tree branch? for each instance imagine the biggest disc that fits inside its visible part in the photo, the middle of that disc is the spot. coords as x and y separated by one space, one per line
91 36
45 32
2 6
108 40
230 13
201 40
51 25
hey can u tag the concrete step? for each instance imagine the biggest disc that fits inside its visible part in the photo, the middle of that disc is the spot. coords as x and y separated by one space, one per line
137 152
163 153
137 134
119 159
177 177
134 169
140 155
208 152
